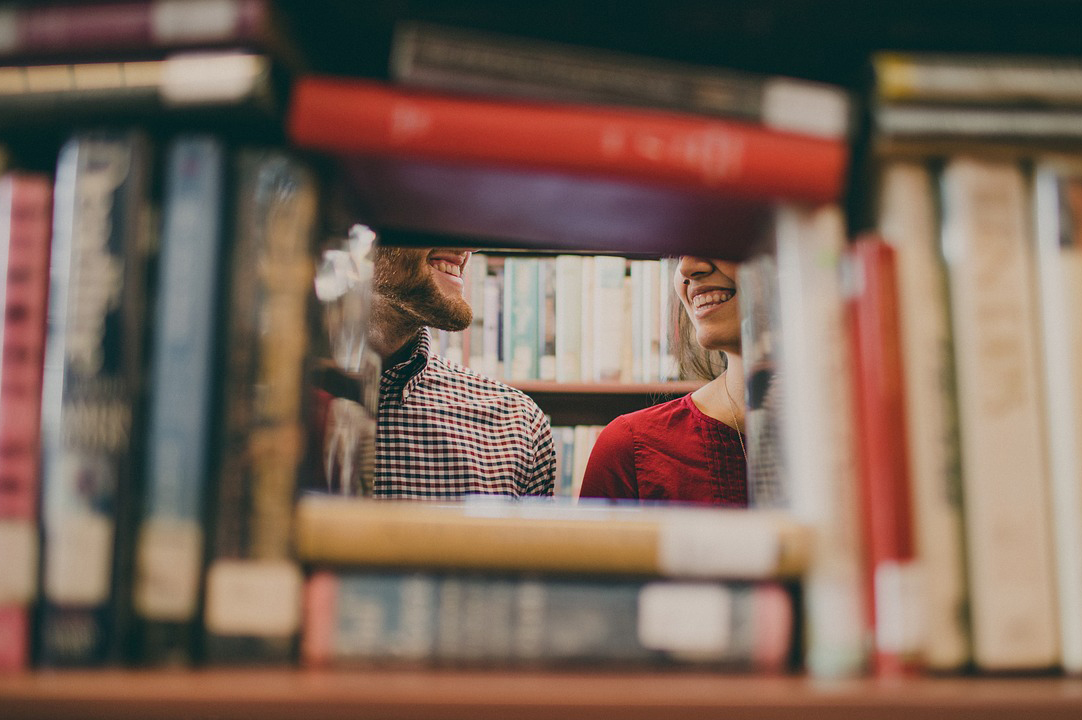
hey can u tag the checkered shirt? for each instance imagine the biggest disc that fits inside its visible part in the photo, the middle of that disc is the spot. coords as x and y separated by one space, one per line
446 431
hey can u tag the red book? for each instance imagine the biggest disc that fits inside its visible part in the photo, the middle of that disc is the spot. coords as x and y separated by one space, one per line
883 464
679 150
25 232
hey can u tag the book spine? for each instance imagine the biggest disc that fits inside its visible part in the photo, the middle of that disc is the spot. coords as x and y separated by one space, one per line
569 309
608 323
356 116
1058 213
71 27
182 394
908 220
546 318
434 619
520 318
492 324
25 234
92 400
986 228
892 573
651 342
897 121
757 283
253 583
474 347
587 335
668 307
552 537
977 79
814 360
445 59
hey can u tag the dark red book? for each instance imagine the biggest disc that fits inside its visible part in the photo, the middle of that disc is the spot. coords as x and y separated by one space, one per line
883 465
25 233
146 27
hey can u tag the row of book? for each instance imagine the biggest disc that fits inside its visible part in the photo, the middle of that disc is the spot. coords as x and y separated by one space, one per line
168 378
568 319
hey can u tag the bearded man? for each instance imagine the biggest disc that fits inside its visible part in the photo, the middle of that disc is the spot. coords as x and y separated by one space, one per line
444 430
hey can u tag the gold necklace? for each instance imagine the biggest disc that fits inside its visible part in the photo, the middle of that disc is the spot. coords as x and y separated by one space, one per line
736 423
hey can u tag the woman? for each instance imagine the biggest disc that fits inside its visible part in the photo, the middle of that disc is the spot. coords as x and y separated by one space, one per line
690 449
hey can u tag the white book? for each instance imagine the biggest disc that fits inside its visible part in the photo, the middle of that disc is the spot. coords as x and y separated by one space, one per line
569 311
909 222
609 321
589 339
668 307
492 321
546 318
986 240
814 360
651 345
637 339
520 318
1058 212
476 274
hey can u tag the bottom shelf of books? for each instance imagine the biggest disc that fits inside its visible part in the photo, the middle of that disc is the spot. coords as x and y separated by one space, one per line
524 695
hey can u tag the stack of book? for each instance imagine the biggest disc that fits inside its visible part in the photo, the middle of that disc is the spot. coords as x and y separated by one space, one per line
514 584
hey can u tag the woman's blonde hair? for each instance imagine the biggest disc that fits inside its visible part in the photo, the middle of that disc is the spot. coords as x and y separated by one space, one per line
692 360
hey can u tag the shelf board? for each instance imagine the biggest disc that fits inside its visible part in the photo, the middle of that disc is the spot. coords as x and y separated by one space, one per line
527 695
586 403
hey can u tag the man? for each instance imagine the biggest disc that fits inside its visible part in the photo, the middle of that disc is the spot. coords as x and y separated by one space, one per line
444 430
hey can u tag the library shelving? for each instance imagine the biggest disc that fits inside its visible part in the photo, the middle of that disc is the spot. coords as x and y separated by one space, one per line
818 39
528 695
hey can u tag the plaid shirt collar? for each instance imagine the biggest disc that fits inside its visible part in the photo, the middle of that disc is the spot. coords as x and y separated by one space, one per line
399 380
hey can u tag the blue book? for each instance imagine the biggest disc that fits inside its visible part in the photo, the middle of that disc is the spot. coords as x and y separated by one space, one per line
182 393
468 619
92 397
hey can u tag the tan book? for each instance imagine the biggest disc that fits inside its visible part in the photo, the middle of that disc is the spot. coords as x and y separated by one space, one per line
670 541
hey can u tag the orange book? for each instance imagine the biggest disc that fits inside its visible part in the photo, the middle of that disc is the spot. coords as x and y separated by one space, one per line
682 150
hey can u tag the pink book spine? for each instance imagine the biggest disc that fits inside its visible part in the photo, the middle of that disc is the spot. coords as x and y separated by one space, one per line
26 202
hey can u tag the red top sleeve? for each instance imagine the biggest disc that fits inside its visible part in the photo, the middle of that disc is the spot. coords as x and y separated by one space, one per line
610 471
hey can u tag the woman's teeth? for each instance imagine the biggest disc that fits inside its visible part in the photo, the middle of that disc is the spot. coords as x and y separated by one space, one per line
715 297
446 267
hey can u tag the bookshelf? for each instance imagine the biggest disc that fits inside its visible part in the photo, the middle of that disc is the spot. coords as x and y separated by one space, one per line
597 403
817 39
528 695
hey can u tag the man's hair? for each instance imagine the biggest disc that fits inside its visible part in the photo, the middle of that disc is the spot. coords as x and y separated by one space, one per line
692 360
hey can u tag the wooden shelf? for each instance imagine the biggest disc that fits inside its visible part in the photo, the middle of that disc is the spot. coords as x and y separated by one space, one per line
500 695
598 403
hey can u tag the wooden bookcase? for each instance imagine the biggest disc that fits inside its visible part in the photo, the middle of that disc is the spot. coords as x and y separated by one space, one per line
817 39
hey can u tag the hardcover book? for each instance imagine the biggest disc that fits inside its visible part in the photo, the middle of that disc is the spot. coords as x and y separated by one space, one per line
92 397
548 536
253 585
69 30
986 228
455 619
1058 212
25 235
445 58
908 219
892 572
182 401
353 116
814 360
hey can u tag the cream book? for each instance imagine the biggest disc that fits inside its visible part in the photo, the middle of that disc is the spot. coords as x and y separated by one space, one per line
987 243
909 221
547 536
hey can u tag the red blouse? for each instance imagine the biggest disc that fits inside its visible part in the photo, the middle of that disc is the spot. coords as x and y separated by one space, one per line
671 451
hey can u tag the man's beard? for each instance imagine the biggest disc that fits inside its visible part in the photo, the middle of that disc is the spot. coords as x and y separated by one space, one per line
403 279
